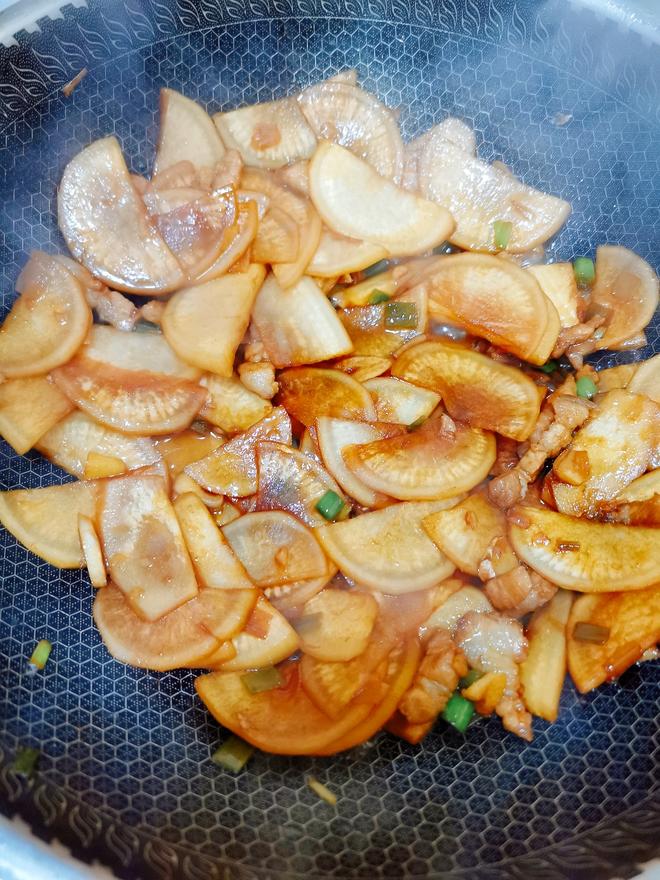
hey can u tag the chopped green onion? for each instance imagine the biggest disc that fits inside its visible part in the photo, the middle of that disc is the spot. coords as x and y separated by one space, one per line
378 296
26 760
401 316
469 679
585 387
458 712
502 233
591 632
233 754
41 654
260 680
584 270
549 367
375 268
330 505
416 424
322 791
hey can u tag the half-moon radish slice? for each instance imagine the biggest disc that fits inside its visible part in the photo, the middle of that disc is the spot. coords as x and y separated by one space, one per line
91 547
215 563
478 195
481 392
626 291
558 283
70 442
230 405
353 200
143 545
267 135
289 598
272 641
335 435
48 322
401 402
290 480
232 468
336 624
236 240
492 298
187 133
310 392
347 115
363 367
455 605
29 408
578 554
130 401
205 324
147 351
184 448
105 224
337 255
646 379
277 240
298 326
439 460
388 550
275 548
46 520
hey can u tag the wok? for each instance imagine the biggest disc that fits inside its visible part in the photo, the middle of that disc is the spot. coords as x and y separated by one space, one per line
571 102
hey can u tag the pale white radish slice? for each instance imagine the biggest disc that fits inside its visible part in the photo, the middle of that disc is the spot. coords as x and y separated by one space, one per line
236 241
632 623
205 324
543 671
272 641
626 292
558 283
232 468
289 274
215 563
267 135
641 489
46 520
400 402
495 299
230 405
143 545
184 484
646 379
460 602
162 201
347 115
29 408
275 548
336 624
439 460
310 392
48 322
477 390
335 435
353 200
617 444
388 550
590 557
147 351
182 449
338 255
290 480
478 195
363 367
187 133
277 239
362 293
376 330
70 442
474 536
289 598
105 224
91 548
298 326
130 401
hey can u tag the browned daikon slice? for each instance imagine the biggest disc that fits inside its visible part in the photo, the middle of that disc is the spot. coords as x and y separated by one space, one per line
310 392
29 408
272 641
336 624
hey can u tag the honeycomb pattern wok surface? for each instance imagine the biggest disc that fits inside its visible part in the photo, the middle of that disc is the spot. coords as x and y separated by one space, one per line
570 102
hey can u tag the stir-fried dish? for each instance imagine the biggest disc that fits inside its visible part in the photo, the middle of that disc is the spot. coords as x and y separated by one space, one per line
334 437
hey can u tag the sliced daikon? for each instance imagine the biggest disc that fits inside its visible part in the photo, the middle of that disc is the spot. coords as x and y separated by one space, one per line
310 392
29 408
458 603
277 642
92 552
336 624
148 351
337 255
277 240
230 405
558 283
363 367
646 379
187 133
400 402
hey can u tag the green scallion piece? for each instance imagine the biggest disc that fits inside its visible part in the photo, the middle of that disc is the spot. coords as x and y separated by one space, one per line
585 387
375 269
549 367
233 754
584 270
26 760
502 233
41 654
378 296
469 679
330 505
260 680
401 316
458 712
